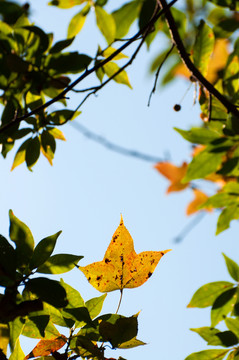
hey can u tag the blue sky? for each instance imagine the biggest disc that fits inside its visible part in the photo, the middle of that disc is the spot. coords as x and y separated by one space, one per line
89 186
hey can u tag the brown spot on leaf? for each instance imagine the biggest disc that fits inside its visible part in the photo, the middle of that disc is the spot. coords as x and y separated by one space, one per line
149 274
99 277
89 278
107 261
162 253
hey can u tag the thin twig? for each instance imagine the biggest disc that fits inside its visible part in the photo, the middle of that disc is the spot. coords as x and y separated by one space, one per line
176 39
88 71
158 71
113 147
121 295
189 227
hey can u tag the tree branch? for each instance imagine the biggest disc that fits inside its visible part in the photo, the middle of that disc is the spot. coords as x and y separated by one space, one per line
87 72
113 147
176 39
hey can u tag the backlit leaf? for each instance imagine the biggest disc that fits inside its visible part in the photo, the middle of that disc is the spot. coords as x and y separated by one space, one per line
174 174
112 68
207 294
58 264
199 199
77 22
46 347
124 17
73 296
105 23
4 337
233 325
66 4
20 154
94 305
198 135
43 250
228 214
208 355
203 47
121 267
17 353
216 337
232 268
15 327
21 235
222 306
202 165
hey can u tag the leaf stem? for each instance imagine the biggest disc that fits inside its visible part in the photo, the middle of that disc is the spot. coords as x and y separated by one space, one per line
121 295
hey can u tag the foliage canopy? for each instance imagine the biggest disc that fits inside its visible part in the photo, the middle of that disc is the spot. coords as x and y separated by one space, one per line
200 44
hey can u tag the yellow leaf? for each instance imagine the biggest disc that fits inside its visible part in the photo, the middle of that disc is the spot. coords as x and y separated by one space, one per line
174 174
122 267
4 338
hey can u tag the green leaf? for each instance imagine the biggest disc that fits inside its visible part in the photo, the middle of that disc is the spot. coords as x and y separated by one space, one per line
73 296
48 290
233 325
4 338
227 215
20 154
66 4
94 305
110 50
85 348
32 152
44 39
202 165
77 22
124 17
48 145
7 263
203 47
131 344
198 135
68 63
222 306
56 133
216 337
43 250
57 318
39 327
208 355
232 268
17 353
79 314
61 45
207 294
16 326
118 330
232 5
112 68
146 12
58 264
21 235
61 116
106 24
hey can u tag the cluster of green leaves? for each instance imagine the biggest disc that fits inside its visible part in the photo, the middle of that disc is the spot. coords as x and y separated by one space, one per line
36 306
223 298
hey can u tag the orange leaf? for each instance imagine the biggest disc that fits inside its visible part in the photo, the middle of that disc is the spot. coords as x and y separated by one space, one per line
174 174
122 267
199 199
46 347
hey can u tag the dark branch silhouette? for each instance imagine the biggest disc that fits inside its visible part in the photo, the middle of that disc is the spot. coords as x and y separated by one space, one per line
176 39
